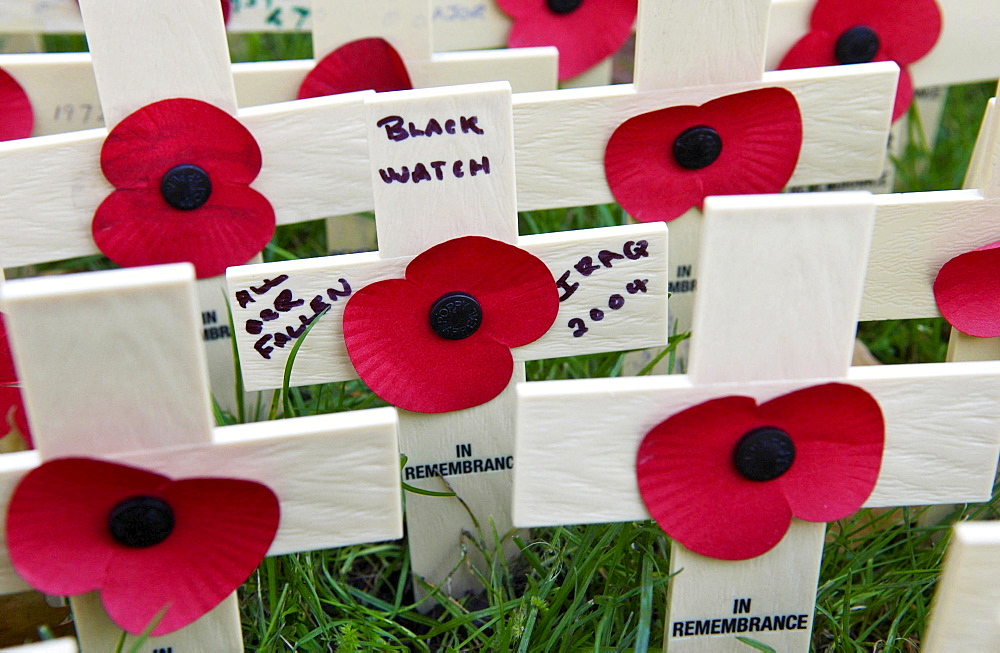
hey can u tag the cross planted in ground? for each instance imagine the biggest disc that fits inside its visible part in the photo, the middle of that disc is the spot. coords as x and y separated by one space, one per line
783 278
443 168
138 331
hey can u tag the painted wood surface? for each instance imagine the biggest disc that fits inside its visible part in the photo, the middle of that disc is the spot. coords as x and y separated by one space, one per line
138 330
965 614
62 645
789 312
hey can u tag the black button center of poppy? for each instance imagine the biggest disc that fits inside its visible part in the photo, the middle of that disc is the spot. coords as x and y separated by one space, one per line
140 522
563 6
764 454
857 45
456 316
697 147
186 187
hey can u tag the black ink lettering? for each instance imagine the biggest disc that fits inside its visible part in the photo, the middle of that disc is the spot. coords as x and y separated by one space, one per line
337 294
449 126
408 473
475 167
489 464
728 626
636 250
295 333
779 621
268 315
615 302
456 169
702 627
567 288
414 132
433 128
391 175
477 465
579 325
803 622
683 271
765 624
393 128
420 173
261 349
437 165
285 303
469 125
754 624
208 317
243 298
716 625
596 314
466 466
741 606
267 284
742 625
254 327
586 267
317 305
639 285
463 450
510 462
605 257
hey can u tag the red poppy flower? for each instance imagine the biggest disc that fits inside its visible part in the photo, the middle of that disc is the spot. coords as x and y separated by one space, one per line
182 170
967 291
357 66
724 478
18 118
12 412
660 164
439 339
585 31
848 31
149 544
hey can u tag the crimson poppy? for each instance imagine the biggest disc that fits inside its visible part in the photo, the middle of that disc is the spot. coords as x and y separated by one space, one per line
12 412
967 290
357 66
154 547
585 31
660 164
725 477
848 31
18 118
439 339
182 170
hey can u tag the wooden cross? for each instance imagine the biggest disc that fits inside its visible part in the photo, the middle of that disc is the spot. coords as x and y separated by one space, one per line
63 645
965 615
782 285
311 148
611 282
336 476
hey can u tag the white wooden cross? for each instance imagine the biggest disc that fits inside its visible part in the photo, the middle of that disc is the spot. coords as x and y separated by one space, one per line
136 332
965 614
63 645
777 312
688 54
612 281
311 149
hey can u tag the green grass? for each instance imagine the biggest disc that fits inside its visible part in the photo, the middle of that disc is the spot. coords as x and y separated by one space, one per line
599 587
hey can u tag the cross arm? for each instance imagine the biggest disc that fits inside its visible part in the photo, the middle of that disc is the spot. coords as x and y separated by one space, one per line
577 440
560 136
612 258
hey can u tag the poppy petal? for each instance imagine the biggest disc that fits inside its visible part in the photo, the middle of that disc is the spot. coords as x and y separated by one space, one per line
159 136
360 65
904 94
394 350
761 134
138 227
517 293
8 374
13 413
57 521
690 485
839 434
907 29
580 45
223 530
966 290
18 118
816 49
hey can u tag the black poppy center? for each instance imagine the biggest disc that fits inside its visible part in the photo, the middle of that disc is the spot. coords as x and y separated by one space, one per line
456 316
764 454
186 187
563 6
697 147
857 45
140 522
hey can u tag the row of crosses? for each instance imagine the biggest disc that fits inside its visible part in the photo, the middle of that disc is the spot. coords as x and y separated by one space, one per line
311 152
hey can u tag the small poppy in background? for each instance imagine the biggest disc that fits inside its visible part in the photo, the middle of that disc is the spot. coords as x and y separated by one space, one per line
158 550
585 31
439 339
18 118
662 163
360 65
182 170
848 32
967 291
725 477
